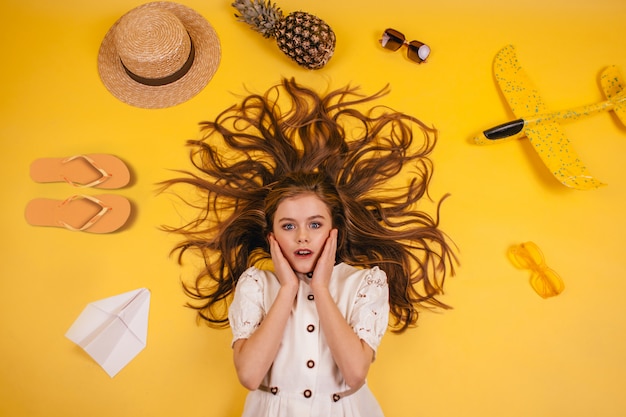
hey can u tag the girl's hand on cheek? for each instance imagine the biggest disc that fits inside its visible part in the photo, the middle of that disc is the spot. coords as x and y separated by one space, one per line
326 262
283 270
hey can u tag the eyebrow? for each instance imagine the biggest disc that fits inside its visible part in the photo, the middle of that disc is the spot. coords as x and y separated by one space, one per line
315 217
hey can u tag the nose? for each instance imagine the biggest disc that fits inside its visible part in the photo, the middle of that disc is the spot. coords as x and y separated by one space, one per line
303 236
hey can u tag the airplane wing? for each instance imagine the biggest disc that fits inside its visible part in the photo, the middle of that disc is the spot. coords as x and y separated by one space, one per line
547 137
554 149
517 88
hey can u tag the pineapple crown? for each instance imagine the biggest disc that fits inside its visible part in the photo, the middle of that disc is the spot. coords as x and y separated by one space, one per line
263 17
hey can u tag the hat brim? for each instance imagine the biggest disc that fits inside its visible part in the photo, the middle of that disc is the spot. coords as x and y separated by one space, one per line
206 61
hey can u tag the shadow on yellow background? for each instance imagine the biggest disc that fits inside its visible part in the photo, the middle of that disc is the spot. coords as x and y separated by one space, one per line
502 351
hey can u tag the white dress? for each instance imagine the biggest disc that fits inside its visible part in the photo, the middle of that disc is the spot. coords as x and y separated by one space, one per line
304 380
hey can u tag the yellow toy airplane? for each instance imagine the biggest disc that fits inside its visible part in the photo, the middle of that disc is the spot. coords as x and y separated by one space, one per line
541 126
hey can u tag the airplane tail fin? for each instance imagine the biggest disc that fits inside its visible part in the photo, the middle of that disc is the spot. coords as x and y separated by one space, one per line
614 87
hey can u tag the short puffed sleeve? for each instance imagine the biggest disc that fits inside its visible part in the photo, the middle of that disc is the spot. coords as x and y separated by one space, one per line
247 310
371 310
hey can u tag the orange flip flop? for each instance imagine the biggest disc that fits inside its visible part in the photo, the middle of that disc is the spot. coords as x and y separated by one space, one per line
103 213
92 170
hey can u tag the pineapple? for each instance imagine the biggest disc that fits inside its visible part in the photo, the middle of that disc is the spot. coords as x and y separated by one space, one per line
303 37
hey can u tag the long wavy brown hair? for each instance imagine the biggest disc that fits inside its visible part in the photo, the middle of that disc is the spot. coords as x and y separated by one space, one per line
292 140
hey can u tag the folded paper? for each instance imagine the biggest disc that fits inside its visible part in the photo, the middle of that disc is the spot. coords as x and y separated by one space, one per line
113 330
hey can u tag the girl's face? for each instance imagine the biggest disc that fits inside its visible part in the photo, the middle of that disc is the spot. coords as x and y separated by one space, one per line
301 226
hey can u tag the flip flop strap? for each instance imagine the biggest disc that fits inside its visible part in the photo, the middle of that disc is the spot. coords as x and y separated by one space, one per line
91 221
104 175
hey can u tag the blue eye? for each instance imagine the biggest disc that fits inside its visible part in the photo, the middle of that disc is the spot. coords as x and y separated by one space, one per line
288 226
315 225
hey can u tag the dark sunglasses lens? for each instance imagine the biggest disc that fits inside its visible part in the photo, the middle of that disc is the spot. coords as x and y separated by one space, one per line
418 52
392 39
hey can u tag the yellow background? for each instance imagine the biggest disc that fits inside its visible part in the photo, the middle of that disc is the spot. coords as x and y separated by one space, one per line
502 351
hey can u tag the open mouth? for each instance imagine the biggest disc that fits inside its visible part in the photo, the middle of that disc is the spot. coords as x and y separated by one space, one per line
303 252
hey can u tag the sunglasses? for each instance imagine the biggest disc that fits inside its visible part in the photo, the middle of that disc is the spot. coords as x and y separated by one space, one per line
394 40
544 280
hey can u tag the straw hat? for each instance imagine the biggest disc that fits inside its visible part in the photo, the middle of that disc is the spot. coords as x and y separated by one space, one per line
158 55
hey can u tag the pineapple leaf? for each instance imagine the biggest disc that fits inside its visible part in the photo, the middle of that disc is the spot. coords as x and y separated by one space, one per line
263 17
